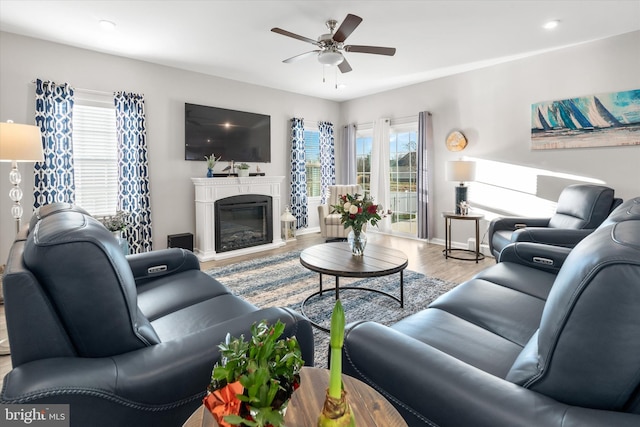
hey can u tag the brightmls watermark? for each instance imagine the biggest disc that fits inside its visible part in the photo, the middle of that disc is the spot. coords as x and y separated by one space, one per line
34 415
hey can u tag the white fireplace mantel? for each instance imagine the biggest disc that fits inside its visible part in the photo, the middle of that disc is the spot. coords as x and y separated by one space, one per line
208 190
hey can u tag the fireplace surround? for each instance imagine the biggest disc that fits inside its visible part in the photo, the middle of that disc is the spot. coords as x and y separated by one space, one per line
210 190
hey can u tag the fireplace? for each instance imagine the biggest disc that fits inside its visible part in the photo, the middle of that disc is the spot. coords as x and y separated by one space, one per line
243 221
209 190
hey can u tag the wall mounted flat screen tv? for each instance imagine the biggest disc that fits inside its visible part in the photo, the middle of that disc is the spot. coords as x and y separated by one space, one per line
235 135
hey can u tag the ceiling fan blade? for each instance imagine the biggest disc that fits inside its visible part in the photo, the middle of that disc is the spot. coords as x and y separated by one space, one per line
344 66
301 56
378 50
348 25
293 35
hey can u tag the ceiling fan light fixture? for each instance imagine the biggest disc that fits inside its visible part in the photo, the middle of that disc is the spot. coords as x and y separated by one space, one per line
330 57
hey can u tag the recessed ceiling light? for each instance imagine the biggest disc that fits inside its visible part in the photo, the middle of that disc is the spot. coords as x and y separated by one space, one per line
107 25
551 24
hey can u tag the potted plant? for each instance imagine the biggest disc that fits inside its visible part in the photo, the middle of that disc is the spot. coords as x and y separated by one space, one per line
336 411
243 169
211 162
254 380
117 224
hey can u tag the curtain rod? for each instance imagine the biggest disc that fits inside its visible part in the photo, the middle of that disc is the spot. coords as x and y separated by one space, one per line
79 89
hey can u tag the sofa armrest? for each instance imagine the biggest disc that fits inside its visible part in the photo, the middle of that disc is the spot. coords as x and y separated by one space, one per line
566 237
323 212
164 262
535 255
516 222
428 386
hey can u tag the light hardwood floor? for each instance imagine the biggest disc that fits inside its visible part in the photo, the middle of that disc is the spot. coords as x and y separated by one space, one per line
425 258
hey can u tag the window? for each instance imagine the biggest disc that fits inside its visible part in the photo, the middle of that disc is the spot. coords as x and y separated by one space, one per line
364 143
312 156
95 155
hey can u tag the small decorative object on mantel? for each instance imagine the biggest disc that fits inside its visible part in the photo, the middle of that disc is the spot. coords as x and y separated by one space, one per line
356 211
288 225
254 381
117 225
243 169
336 411
211 162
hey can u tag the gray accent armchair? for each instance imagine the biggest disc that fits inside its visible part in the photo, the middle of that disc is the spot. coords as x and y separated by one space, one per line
581 209
330 225
125 341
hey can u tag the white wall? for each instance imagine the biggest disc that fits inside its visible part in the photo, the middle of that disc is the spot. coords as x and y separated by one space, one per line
166 90
491 107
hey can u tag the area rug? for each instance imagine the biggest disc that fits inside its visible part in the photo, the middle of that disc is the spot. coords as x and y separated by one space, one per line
281 281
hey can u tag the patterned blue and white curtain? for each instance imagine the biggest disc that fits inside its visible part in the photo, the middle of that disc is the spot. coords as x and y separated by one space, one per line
133 169
425 175
298 198
53 178
327 159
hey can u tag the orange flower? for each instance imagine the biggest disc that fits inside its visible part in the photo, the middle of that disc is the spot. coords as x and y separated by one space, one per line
224 402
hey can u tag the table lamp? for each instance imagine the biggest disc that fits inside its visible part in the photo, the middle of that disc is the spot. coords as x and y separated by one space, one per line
461 171
19 143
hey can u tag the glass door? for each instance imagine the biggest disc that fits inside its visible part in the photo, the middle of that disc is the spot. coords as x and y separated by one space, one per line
403 142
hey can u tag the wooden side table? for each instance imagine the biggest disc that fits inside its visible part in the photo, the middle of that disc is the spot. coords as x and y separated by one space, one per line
447 252
369 407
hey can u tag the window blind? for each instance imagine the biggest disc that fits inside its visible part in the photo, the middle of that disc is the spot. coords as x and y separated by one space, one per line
95 153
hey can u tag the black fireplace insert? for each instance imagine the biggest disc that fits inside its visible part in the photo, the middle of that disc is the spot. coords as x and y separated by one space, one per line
243 221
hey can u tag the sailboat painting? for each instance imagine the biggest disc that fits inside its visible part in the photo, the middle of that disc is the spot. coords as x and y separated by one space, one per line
604 120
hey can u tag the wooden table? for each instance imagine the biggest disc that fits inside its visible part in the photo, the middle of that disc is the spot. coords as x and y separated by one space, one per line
336 259
447 252
369 407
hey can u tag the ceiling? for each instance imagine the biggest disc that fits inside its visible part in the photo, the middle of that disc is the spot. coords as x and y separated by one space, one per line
232 39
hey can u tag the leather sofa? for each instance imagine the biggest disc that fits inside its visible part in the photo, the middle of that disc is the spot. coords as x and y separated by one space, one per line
549 336
581 208
125 341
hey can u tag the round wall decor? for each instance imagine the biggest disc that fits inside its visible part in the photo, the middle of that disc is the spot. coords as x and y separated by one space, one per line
456 141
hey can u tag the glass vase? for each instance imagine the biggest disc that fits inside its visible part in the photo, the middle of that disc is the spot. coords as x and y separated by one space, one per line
357 241
122 241
209 173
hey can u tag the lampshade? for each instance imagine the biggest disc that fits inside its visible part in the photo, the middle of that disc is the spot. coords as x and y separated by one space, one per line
20 143
461 170
330 57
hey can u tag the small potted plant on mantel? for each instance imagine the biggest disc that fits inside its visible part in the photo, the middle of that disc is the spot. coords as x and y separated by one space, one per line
243 169
211 162
254 381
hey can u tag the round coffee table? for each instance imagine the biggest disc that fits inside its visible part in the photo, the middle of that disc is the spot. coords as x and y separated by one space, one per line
335 259
370 408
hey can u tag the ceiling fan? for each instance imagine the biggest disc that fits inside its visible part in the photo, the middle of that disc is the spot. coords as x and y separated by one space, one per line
331 46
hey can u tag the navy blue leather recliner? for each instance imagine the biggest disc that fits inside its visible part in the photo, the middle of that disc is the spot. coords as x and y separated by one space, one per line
125 341
581 209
